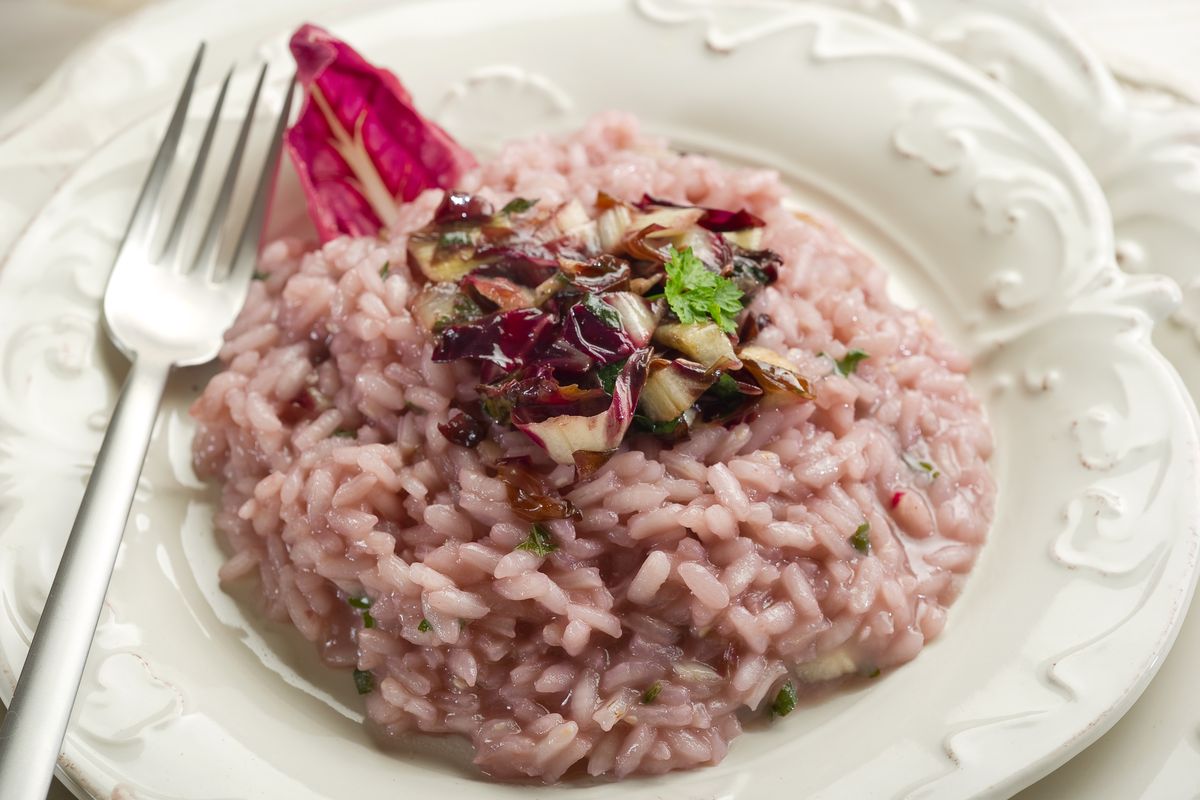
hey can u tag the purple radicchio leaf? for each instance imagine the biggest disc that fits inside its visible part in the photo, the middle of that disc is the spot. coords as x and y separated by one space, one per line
360 147
565 435
504 339
717 220
594 327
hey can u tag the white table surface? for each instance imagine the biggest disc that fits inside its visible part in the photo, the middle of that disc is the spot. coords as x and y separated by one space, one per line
1145 39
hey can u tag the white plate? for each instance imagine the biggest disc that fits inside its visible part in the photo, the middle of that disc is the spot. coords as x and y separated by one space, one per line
1079 591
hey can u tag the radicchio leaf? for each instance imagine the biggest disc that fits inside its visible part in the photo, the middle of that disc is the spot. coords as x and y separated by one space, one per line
717 220
594 327
360 147
564 435
503 339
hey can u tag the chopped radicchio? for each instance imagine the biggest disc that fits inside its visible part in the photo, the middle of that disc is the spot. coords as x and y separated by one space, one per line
578 346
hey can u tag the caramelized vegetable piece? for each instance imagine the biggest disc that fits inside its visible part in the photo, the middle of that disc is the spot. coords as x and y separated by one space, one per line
704 343
563 436
463 430
672 387
774 373
529 496
441 304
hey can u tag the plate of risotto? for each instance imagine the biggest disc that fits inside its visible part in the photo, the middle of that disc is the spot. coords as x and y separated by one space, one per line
726 402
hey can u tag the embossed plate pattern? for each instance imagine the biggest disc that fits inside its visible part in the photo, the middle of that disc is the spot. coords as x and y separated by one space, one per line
982 213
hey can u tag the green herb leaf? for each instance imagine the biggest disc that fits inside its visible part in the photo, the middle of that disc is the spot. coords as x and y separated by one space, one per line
602 310
258 276
360 602
785 701
383 271
861 540
344 433
454 239
696 294
424 626
847 365
368 620
725 386
654 691
539 541
608 375
518 205
364 682
666 428
874 673
921 465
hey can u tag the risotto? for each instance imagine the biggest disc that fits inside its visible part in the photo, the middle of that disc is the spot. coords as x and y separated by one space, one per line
652 597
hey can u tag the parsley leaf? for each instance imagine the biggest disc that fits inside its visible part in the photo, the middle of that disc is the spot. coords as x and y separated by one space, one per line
785 701
383 271
607 375
362 604
861 540
847 365
654 691
539 541
726 386
643 423
518 205
258 276
921 465
344 433
424 626
697 294
364 682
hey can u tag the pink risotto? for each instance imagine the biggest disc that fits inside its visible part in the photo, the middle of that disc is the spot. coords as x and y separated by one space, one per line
630 611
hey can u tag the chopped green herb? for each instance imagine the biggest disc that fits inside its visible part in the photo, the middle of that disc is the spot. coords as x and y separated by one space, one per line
498 409
666 428
654 691
424 626
785 701
874 673
258 276
847 365
744 267
360 602
603 311
608 374
454 239
920 465
539 541
518 205
696 294
861 540
383 271
364 681
725 386
368 620
344 433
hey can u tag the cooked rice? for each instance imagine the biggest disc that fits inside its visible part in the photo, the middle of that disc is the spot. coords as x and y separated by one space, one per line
707 568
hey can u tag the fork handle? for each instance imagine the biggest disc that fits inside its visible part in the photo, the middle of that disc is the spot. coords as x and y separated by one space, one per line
33 731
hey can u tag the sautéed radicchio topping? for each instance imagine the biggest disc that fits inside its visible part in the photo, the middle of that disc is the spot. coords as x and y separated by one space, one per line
585 330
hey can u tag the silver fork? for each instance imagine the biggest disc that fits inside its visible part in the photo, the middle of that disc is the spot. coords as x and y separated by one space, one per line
163 310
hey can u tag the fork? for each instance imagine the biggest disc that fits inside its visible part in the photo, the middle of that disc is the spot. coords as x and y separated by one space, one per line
163 308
